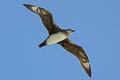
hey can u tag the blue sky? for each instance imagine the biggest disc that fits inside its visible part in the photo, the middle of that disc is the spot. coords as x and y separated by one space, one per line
97 25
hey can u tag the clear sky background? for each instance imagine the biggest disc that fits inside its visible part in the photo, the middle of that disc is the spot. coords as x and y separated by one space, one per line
97 25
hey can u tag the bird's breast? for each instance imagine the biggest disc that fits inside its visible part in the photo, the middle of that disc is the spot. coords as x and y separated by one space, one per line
55 38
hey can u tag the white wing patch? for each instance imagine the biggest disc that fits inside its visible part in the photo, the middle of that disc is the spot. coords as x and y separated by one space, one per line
34 8
86 65
41 11
56 38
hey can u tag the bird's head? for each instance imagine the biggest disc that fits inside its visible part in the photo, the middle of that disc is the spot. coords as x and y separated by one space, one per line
69 31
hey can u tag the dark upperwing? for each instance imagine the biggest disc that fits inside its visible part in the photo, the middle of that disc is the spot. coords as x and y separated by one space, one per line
79 52
48 22
46 17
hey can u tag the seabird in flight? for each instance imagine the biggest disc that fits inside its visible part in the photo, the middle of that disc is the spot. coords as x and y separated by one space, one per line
60 36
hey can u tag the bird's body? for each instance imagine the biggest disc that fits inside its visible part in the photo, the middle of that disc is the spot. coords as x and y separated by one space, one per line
60 36
55 38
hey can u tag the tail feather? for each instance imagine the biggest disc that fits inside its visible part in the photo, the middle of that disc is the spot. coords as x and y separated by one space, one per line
42 44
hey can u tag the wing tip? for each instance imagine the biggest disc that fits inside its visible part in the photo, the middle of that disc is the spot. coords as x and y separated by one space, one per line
88 71
26 5
87 68
31 7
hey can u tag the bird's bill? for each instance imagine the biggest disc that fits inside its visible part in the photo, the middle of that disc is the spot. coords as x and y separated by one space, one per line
73 30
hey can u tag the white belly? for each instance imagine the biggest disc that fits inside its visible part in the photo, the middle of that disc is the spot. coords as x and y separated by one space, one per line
56 38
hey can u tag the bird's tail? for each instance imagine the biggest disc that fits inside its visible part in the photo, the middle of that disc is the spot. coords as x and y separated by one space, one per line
42 44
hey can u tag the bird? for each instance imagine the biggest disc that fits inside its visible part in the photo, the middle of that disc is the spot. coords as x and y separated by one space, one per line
60 36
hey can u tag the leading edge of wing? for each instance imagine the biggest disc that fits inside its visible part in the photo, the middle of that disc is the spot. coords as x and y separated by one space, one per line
46 17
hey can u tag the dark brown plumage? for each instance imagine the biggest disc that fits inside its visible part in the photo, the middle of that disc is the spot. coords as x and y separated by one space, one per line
46 18
52 28
78 51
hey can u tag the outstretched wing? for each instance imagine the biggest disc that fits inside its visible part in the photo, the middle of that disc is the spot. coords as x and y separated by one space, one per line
79 52
46 18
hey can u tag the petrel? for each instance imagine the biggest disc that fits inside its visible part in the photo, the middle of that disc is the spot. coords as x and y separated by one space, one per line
60 36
